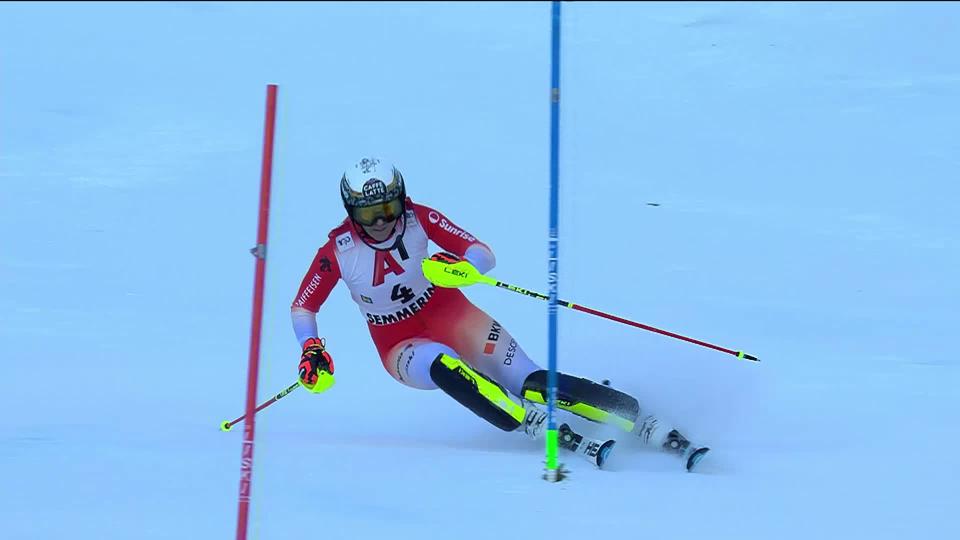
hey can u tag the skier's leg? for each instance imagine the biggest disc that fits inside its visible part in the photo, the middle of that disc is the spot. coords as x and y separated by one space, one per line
409 361
427 365
396 343
475 391
493 403
491 350
585 398
481 341
600 403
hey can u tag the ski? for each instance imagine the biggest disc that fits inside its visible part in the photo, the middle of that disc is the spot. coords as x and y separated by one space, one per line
593 450
695 456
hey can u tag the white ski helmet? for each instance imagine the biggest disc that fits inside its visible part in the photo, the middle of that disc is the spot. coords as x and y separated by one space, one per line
371 189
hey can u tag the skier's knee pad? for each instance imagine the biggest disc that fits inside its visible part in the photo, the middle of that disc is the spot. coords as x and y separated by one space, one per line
473 390
585 398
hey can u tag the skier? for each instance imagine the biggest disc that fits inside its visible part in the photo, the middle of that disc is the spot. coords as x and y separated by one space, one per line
432 337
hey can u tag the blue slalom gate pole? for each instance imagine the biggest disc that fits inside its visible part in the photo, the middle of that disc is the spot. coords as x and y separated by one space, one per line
552 473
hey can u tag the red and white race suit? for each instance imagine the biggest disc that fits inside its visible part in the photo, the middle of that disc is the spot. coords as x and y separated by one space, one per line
411 320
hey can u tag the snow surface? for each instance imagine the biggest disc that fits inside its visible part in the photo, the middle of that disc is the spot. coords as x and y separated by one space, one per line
804 158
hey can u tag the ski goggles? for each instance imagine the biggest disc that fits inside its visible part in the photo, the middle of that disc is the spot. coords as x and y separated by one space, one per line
387 211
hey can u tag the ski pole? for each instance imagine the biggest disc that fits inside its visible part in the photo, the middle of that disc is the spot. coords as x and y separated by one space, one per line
227 426
462 274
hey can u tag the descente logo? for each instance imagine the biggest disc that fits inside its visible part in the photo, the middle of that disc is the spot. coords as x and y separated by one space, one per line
455 231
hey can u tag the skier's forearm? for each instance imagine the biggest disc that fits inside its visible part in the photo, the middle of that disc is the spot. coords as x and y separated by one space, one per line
481 257
304 324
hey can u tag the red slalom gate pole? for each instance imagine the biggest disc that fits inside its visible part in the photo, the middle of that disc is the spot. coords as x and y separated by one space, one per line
260 252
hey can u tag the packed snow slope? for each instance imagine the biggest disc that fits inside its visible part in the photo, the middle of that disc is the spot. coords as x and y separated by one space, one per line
779 178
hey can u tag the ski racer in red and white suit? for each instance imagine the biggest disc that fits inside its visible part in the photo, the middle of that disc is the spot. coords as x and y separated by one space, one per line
410 320
431 337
